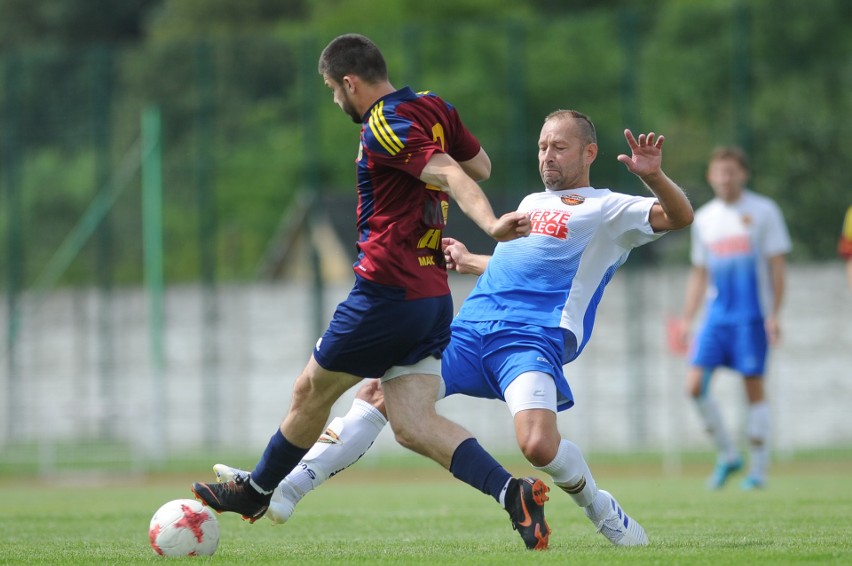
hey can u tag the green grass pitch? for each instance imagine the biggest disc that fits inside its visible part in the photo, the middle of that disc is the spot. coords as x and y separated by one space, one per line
418 514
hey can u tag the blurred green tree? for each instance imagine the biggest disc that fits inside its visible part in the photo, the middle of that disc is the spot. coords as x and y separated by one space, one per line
245 111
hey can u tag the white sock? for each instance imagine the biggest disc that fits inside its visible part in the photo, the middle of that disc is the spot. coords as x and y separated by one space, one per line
599 508
709 411
757 429
345 440
571 473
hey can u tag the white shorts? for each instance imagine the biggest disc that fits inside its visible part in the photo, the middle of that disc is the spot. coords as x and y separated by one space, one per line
428 366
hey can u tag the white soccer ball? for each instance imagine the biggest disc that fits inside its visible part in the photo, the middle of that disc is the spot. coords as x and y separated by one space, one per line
184 527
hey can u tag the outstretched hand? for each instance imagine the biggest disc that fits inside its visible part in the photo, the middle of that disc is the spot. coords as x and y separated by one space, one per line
647 155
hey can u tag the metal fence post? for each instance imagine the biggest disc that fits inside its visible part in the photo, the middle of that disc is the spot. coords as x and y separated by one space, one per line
207 237
152 230
10 150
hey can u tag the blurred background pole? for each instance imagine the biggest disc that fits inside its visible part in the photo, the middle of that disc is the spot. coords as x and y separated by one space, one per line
311 141
518 148
412 41
635 311
101 64
10 152
152 235
207 229
741 76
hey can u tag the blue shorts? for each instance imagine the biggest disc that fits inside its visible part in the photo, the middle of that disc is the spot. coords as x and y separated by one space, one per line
375 328
483 358
741 347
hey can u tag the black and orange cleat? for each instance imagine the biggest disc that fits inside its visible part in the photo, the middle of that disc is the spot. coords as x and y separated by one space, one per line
236 496
525 503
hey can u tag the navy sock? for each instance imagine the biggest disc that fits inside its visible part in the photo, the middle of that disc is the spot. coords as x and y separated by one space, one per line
278 460
474 466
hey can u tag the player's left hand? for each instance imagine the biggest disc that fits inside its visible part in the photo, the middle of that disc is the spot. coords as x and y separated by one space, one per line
647 152
678 335
510 226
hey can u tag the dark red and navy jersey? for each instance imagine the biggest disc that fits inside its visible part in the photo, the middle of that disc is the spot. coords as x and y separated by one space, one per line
401 218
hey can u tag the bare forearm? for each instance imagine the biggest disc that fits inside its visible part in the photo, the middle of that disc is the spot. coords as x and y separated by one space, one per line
695 288
478 168
444 173
472 202
675 211
448 176
778 267
472 264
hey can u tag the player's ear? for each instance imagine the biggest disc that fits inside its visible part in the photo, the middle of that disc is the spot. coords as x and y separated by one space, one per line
590 152
349 83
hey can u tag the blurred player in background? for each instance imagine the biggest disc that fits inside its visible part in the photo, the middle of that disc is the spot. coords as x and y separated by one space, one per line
739 240
414 151
844 245
531 311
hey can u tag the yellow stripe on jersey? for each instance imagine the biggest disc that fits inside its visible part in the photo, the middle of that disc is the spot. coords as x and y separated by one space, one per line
382 130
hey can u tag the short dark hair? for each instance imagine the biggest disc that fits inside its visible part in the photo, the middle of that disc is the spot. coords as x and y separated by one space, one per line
586 129
731 152
353 54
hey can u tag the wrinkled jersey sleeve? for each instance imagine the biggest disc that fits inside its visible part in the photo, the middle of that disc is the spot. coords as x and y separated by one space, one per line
627 219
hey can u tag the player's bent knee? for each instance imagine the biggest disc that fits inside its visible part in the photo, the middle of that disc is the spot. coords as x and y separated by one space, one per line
539 450
415 434
538 457
698 383
315 393
408 437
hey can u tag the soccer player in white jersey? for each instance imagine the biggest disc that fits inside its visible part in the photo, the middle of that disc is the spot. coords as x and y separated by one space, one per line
739 240
531 311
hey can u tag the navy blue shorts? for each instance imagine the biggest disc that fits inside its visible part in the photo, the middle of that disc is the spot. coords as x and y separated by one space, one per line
483 358
741 347
375 329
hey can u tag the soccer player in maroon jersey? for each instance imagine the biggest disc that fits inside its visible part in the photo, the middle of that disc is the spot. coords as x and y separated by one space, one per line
414 153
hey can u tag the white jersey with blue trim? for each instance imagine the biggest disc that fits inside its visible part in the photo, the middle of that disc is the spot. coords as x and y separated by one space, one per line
733 241
556 276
